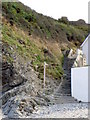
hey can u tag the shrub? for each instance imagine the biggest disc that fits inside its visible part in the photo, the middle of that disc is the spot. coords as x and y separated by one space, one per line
30 18
64 20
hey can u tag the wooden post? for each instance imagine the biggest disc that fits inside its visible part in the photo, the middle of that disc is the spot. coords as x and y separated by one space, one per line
44 73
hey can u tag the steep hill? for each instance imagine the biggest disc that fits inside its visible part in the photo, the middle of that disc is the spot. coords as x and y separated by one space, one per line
36 38
29 39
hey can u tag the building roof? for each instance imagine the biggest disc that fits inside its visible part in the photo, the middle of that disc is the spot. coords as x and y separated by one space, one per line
85 41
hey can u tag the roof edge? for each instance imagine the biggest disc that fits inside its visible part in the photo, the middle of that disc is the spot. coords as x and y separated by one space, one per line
85 41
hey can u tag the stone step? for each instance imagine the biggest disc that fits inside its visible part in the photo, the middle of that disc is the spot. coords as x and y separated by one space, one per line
63 92
63 99
65 88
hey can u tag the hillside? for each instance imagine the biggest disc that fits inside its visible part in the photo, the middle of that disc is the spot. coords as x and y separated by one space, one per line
39 38
29 39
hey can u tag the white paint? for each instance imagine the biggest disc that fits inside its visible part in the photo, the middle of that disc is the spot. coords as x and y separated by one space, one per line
45 72
70 53
79 52
80 60
85 51
79 83
85 48
80 77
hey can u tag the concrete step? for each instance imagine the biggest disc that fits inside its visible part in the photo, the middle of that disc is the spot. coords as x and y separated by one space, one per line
65 87
63 99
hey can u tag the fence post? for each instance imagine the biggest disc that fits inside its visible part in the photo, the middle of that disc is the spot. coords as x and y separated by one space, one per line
45 72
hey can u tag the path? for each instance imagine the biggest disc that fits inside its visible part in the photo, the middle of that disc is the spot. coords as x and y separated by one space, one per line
64 106
65 86
71 110
63 92
61 104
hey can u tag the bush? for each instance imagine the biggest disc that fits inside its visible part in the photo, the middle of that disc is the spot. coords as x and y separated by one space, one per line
30 18
64 20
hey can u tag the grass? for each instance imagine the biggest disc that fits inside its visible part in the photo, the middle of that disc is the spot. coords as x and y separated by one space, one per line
22 23
29 50
77 32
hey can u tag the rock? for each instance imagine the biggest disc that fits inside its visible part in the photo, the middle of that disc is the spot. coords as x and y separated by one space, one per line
11 48
32 103
44 97
21 42
40 101
28 109
16 80
80 101
11 78
36 55
23 100
6 72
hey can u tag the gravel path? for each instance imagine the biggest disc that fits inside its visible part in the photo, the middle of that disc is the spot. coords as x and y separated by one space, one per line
71 110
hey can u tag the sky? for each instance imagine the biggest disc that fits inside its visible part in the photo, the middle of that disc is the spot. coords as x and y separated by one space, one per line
73 9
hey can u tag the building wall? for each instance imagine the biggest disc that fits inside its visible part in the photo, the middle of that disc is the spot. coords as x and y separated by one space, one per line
89 68
80 76
89 50
89 82
85 51
80 84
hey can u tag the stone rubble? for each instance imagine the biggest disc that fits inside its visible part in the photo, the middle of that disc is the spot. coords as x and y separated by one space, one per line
71 110
30 99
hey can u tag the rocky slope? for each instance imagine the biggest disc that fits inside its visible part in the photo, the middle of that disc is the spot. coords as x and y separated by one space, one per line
37 38
29 39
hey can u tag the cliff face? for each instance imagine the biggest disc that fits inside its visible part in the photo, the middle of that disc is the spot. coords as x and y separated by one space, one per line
30 37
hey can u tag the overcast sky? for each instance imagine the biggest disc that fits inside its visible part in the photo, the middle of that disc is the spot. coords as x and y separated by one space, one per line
73 9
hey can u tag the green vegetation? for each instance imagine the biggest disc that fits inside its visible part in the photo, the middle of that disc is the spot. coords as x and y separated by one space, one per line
40 25
21 29
28 50
74 33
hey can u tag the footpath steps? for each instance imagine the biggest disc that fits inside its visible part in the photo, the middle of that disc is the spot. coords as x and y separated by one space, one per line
65 87
63 92
59 99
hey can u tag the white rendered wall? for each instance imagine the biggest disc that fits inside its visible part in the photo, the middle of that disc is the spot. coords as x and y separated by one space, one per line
88 50
85 51
79 84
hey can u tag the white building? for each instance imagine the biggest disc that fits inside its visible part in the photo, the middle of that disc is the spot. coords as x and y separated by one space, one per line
85 49
80 77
